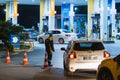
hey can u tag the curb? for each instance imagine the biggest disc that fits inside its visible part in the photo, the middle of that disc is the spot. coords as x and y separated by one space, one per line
108 41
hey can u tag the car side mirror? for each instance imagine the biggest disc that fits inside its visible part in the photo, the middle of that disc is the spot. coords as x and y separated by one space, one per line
63 49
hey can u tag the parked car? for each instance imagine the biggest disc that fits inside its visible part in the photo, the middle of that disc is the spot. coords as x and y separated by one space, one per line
117 35
59 36
83 55
109 69
32 33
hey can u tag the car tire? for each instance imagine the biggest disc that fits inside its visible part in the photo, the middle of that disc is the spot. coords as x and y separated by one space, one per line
61 40
68 73
117 37
41 40
104 74
64 65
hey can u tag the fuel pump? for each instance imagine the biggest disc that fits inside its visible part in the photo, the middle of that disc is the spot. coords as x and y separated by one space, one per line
45 23
95 26
66 23
109 25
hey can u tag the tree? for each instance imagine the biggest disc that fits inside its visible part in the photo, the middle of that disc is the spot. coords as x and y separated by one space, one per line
6 29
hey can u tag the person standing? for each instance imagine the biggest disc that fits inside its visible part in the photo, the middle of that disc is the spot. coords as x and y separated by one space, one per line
49 48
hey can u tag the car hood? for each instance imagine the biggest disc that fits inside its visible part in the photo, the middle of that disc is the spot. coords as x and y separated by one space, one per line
42 34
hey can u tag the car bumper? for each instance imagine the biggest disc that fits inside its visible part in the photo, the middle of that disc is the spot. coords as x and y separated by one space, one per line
83 66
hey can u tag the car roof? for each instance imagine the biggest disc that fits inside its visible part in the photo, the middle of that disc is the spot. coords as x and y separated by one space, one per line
58 29
28 29
77 41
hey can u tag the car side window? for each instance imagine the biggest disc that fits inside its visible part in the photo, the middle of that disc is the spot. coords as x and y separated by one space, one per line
117 58
46 33
56 32
53 32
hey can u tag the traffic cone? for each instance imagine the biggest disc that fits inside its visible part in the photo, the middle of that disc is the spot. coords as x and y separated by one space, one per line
8 57
25 60
45 62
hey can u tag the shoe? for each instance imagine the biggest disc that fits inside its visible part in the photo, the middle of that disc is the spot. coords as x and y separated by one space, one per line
50 65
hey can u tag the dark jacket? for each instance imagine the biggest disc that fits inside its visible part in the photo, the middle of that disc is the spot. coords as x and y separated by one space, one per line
49 45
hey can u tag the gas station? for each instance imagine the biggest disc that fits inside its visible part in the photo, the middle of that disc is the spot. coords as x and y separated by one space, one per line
100 23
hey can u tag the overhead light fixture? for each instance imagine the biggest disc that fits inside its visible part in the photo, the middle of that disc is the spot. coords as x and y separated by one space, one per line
33 0
64 2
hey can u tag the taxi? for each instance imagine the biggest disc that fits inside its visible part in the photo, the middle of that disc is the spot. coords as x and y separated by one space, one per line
109 69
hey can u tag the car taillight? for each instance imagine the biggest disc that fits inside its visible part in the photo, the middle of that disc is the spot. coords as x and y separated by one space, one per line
27 33
68 35
106 54
72 55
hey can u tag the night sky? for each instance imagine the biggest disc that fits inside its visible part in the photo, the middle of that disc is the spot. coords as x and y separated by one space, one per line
28 15
2 12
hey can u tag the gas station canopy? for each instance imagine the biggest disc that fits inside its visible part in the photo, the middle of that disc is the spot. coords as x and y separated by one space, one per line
57 2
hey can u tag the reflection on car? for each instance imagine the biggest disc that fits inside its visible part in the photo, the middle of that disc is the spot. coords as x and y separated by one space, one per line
109 69
83 55
59 36
31 33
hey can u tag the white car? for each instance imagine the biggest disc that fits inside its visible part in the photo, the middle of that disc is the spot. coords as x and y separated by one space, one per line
83 55
117 35
59 36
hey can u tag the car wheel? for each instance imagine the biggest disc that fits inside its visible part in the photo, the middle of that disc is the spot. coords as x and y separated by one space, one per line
64 65
68 73
40 40
117 36
104 74
61 40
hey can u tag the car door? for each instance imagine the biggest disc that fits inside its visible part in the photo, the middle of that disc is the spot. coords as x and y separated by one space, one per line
66 53
46 34
56 36
118 66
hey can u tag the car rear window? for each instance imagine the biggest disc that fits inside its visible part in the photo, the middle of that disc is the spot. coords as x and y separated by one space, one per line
83 46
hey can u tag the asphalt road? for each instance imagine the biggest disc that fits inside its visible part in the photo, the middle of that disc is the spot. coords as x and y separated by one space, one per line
34 70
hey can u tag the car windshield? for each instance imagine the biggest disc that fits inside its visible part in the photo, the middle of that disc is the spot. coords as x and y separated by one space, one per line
29 30
84 46
66 31
49 32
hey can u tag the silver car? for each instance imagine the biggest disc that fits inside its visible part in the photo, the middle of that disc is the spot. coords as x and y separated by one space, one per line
59 36
83 55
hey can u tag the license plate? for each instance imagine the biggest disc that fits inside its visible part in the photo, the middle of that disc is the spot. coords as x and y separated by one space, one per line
88 57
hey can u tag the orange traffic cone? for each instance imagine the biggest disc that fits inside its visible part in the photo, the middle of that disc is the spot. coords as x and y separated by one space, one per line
45 62
25 60
8 57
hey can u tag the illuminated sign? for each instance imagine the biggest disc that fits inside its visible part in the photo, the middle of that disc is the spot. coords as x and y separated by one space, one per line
15 39
15 9
52 7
